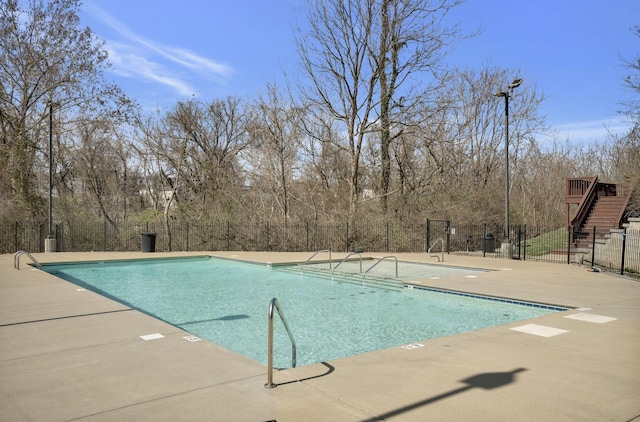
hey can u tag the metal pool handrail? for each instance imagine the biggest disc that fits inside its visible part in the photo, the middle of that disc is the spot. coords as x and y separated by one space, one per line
312 256
16 259
433 245
274 305
379 261
347 257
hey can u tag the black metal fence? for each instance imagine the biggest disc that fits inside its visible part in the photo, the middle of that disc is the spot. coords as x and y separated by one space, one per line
619 251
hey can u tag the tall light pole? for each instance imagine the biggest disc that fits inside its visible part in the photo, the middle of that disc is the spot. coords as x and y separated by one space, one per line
506 94
50 234
50 241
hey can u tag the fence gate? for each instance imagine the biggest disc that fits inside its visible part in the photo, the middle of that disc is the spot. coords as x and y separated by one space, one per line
435 230
519 241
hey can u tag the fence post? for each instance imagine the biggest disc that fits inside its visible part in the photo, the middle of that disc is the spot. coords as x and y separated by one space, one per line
307 233
15 237
347 238
624 243
484 240
104 235
428 244
266 246
187 236
388 237
593 248
524 255
40 237
60 243
448 232
228 237
569 230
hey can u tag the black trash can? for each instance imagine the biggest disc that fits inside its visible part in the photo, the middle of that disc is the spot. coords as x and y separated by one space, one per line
489 244
148 242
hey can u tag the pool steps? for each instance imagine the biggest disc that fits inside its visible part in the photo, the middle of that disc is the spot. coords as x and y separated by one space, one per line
343 277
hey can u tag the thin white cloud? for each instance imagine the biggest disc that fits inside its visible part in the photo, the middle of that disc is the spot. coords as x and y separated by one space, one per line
202 64
129 64
588 131
593 130
140 58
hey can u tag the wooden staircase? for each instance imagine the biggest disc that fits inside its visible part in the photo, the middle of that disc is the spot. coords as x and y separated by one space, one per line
603 216
599 205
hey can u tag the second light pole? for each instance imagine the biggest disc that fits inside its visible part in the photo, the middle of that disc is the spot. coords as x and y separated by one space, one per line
506 94
50 241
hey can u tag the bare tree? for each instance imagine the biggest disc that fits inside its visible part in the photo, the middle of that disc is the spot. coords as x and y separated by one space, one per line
194 156
412 38
451 162
630 144
164 153
275 132
101 165
343 79
632 81
363 58
45 58
324 171
541 177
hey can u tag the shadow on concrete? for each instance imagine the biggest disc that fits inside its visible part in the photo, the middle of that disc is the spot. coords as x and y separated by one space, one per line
330 369
487 381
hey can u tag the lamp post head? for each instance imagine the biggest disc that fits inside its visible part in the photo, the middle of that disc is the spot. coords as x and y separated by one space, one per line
516 83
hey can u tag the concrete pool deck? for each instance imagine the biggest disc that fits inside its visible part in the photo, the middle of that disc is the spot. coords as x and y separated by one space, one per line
68 354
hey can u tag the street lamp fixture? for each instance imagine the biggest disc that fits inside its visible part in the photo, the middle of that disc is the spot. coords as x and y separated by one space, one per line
506 94
516 83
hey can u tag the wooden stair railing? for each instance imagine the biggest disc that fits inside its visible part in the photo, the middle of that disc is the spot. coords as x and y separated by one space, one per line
586 193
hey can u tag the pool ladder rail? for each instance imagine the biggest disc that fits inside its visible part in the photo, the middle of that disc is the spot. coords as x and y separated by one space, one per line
16 260
379 261
313 256
345 259
274 306
433 246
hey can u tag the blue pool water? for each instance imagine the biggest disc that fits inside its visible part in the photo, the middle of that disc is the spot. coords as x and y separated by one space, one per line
227 302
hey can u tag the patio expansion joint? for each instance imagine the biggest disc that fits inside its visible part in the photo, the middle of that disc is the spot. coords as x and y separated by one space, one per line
66 317
164 397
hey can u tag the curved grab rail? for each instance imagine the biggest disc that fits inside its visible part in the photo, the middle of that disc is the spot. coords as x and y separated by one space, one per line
313 256
347 257
441 240
273 305
379 261
16 259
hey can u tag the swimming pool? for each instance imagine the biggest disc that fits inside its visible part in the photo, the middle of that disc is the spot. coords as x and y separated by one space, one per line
226 302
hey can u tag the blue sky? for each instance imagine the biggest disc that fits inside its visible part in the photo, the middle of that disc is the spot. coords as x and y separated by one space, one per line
571 50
